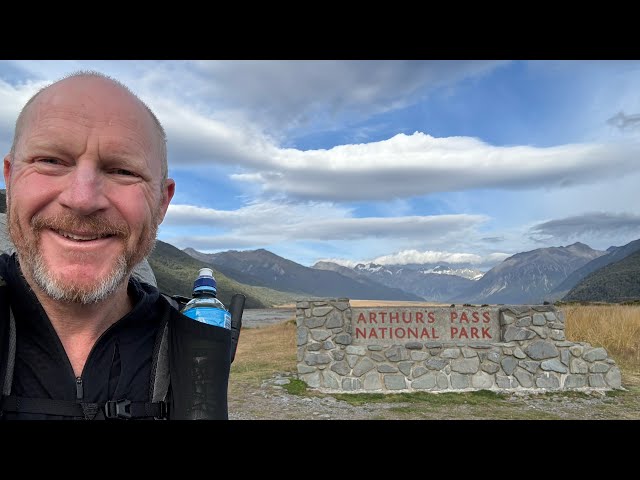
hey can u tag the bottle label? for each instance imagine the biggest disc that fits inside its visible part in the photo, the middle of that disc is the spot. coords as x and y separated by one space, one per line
212 316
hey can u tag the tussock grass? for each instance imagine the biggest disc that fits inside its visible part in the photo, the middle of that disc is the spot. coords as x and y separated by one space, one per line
614 327
264 351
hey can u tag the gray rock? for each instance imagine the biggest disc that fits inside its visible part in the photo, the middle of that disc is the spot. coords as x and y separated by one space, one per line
317 358
509 365
302 305
529 365
311 379
352 359
330 380
364 365
442 381
450 353
314 347
575 381
548 380
341 305
459 381
320 311
301 336
613 377
482 380
375 348
397 354
503 381
599 367
419 356
341 368
578 366
538 319
540 331
314 322
350 384
540 350
524 377
418 371
395 382
557 325
386 368
556 334
378 357
560 316
318 303
338 355
507 351
335 331
494 357
595 354
413 345
405 367
300 354
550 316
518 353
304 368
356 350
515 333
489 367
436 363
565 356
343 339
328 345
553 365
469 352
320 335
506 319
465 365
524 321
424 382
596 380
334 319
576 350
372 381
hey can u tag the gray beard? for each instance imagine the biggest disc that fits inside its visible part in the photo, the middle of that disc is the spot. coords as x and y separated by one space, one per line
57 291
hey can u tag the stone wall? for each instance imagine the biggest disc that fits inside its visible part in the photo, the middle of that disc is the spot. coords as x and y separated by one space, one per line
335 354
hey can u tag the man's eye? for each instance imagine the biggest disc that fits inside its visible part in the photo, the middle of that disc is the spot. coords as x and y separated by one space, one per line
51 161
122 171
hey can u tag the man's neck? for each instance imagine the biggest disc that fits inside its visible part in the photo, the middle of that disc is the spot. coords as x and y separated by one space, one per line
79 326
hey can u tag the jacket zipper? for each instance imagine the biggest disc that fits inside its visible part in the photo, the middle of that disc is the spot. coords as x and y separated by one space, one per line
79 389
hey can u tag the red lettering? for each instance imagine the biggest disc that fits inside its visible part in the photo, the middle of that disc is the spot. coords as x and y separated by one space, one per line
486 316
476 317
400 332
454 315
373 333
382 314
463 317
361 333
434 335
463 333
432 317
419 317
391 317
372 317
485 332
409 320
454 332
424 333
383 330
474 332
413 331
361 318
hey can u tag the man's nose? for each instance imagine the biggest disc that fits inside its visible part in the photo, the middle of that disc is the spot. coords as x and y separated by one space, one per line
84 191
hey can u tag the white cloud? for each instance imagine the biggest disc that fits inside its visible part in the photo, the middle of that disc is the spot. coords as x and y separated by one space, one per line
265 223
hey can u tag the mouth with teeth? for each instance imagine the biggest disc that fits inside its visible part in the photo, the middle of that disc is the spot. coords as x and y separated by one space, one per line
82 238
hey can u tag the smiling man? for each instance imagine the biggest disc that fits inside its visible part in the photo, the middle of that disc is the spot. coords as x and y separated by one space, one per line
86 184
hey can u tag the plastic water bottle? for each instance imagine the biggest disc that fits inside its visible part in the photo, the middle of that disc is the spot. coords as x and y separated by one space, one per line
204 306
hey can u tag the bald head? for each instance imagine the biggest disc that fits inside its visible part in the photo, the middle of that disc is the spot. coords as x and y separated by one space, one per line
82 82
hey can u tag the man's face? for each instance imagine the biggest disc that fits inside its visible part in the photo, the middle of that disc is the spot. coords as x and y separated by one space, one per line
84 189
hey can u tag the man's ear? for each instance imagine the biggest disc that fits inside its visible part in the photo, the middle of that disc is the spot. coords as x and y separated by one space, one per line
168 190
7 170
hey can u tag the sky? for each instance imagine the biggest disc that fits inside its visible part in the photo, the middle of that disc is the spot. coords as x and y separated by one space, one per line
395 162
